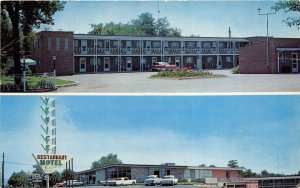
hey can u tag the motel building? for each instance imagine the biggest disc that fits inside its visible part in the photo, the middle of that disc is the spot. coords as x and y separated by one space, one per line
85 53
222 176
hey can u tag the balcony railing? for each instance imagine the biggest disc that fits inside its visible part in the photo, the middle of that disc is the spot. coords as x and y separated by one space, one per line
153 51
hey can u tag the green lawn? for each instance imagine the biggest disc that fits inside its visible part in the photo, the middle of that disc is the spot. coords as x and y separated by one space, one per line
33 80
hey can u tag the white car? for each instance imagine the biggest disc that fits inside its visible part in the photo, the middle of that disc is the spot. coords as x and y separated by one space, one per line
169 180
121 181
152 180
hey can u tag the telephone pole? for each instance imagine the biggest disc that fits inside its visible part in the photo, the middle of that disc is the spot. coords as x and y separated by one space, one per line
2 170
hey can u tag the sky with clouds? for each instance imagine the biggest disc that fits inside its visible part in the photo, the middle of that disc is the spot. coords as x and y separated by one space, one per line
204 18
261 132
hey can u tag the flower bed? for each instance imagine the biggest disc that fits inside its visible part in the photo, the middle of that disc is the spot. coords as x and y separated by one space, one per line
185 73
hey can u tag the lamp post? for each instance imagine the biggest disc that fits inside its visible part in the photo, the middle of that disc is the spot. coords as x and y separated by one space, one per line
267 14
54 68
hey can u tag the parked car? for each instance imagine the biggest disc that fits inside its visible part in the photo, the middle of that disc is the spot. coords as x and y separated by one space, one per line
152 180
162 66
60 184
105 182
121 181
169 180
66 183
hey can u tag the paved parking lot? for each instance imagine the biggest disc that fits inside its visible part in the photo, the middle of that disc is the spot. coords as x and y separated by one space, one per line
143 186
139 82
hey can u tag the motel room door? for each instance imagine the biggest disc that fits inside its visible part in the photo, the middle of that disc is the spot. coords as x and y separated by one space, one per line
177 62
82 64
106 64
295 65
128 64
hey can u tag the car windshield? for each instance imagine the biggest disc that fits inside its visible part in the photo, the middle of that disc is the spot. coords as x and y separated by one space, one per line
168 177
151 177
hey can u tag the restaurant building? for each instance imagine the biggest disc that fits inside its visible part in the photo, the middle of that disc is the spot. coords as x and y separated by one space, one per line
223 176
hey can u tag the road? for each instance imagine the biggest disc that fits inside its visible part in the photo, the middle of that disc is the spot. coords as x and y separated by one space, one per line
139 82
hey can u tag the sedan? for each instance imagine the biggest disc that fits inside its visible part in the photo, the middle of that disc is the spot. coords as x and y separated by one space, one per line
169 180
152 180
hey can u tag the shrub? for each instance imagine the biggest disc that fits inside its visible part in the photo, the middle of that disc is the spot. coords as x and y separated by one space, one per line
183 73
235 70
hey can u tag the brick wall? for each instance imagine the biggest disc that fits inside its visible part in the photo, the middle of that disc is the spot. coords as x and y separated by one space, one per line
59 44
253 57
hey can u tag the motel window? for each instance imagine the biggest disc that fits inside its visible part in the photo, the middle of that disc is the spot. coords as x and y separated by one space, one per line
99 61
99 44
205 173
192 173
191 44
189 60
283 58
76 44
228 59
49 43
57 43
66 43
92 61
209 60
156 44
175 44
138 44
115 44
206 45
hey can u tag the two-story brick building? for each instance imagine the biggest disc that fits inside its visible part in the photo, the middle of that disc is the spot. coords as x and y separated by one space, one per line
81 53
84 53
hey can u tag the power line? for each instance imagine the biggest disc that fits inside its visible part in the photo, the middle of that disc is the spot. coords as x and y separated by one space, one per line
17 163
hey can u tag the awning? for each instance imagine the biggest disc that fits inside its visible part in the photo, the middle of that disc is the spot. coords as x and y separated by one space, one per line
287 49
28 62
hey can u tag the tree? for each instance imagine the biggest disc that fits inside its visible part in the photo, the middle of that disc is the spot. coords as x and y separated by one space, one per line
6 42
175 32
212 165
55 177
106 160
202 165
97 29
24 15
289 6
264 173
162 27
68 175
18 179
145 23
233 164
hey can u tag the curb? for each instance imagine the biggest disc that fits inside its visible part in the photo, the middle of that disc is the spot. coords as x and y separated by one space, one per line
68 85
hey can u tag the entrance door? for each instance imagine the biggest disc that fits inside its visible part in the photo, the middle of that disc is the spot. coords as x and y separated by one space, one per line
177 62
82 64
107 47
129 64
219 63
295 62
154 60
199 63
106 64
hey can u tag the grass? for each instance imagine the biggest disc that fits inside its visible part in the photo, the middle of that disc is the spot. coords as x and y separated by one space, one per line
186 74
34 80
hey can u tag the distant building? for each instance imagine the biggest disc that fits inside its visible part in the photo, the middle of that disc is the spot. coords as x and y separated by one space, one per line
277 182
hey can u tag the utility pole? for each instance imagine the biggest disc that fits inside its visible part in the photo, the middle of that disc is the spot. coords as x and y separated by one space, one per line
267 14
2 170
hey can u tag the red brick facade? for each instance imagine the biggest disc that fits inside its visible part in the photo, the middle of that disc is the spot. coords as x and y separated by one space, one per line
253 57
59 44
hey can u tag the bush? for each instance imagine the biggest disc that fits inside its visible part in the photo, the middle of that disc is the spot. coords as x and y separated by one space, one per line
235 70
182 73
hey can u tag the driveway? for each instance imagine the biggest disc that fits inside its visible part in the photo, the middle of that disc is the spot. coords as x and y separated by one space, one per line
139 82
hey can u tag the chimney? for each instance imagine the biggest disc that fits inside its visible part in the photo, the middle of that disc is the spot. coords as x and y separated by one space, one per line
229 32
